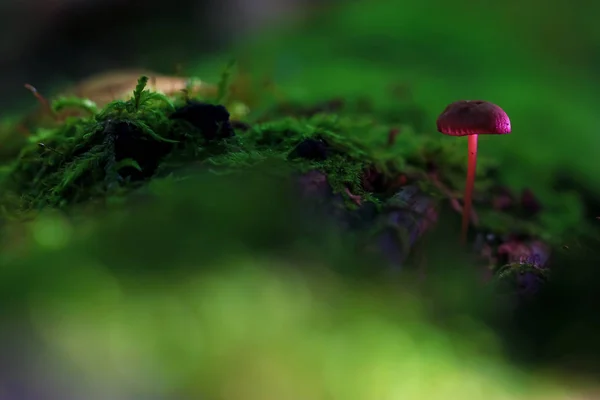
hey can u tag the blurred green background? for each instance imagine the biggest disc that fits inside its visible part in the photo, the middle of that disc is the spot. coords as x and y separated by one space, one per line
216 290
535 59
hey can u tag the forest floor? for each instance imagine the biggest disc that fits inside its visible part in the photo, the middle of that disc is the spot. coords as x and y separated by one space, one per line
161 180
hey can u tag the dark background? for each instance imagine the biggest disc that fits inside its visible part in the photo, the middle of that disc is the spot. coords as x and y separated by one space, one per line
46 42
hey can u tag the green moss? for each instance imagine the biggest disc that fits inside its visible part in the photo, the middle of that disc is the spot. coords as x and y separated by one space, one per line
507 275
78 161
63 103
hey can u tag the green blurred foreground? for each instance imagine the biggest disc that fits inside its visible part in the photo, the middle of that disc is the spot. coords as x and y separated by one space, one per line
183 295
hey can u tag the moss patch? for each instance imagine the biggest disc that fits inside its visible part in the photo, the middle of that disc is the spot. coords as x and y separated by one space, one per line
366 151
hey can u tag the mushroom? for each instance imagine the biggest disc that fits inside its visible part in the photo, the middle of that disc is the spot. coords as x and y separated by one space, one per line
472 118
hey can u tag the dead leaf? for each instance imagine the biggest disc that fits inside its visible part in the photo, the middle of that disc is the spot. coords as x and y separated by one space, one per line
119 85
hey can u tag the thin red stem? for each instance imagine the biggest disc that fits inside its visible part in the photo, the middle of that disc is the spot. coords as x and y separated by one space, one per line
469 187
45 104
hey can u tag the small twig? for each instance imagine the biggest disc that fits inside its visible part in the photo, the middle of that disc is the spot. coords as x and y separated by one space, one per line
45 104
354 197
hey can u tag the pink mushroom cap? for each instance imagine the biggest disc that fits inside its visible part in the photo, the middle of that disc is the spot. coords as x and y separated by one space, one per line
473 117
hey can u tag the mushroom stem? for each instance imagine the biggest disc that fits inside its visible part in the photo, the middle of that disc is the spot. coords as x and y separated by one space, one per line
469 186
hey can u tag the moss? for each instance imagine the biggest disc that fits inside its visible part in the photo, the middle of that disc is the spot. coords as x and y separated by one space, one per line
507 276
82 158
103 154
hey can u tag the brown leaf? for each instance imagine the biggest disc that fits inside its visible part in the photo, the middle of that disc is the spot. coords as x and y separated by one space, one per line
119 85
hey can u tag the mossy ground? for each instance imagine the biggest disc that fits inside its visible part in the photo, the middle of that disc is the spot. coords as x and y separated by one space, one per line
99 155
100 284
102 157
